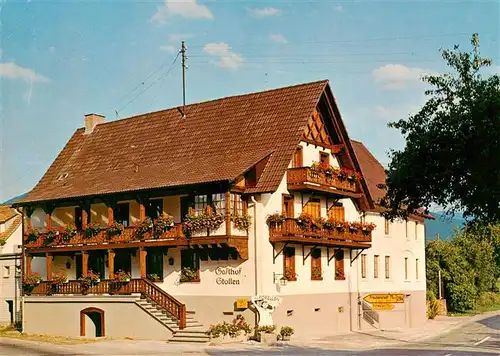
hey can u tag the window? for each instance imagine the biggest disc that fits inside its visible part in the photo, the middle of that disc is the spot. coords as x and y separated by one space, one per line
387 267
339 265
190 260
289 264
219 203
154 263
313 207
416 230
416 269
324 158
375 266
287 208
297 158
236 204
200 203
316 273
337 212
387 222
6 271
363 266
406 268
154 208
121 213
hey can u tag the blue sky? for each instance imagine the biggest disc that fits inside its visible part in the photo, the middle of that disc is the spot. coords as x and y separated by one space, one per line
62 59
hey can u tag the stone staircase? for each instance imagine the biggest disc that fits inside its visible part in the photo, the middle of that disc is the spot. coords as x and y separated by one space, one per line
194 331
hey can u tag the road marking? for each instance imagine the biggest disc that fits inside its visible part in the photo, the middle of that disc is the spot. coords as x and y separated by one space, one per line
481 341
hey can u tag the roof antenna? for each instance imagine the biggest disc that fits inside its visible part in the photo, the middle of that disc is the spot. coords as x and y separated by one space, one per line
184 66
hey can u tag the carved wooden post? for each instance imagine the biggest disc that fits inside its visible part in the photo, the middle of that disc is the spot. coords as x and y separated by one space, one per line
28 264
111 214
48 220
48 264
85 214
85 263
142 261
228 213
111 264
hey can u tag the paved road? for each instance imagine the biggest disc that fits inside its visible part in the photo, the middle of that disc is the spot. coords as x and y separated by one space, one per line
474 339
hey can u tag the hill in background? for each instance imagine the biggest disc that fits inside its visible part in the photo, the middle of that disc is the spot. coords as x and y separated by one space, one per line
442 225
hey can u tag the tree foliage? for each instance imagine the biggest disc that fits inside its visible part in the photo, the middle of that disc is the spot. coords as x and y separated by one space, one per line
467 265
452 152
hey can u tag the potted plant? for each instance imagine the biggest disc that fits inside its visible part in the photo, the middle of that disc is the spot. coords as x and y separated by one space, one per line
50 236
30 281
339 273
265 334
189 274
286 332
33 235
59 278
91 279
274 220
208 220
163 224
143 227
316 274
91 230
289 274
305 221
114 229
367 228
241 222
67 232
122 277
154 277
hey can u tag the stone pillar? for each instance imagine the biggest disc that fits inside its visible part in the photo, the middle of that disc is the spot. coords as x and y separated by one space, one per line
111 264
48 264
142 261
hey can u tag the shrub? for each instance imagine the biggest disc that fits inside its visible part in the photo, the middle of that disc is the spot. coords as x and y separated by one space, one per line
154 277
114 229
432 305
163 224
266 329
189 274
286 331
91 230
233 330
122 276
67 232
32 279
143 227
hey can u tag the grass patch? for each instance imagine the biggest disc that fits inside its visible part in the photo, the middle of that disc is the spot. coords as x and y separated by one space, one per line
487 302
12 333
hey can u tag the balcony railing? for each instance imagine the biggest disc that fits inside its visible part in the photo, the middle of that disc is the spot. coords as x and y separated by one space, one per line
148 289
289 230
299 177
127 236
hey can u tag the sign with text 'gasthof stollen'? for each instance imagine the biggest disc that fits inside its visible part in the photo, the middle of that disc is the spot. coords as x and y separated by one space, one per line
384 298
228 275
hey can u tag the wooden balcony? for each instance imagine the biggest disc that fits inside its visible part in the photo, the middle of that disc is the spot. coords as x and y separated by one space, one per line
291 232
306 179
175 237
143 286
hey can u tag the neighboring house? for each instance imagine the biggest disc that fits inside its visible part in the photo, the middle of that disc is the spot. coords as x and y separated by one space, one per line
222 164
10 264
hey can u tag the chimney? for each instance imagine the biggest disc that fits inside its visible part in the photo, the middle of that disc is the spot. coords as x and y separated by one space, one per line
91 120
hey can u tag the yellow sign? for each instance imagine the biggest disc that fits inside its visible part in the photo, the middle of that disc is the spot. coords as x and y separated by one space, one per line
384 298
241 303
382 306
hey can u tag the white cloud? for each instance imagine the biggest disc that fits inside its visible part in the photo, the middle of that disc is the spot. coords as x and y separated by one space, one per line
339 8
176 37
168 48
226 57
398 76
13 71
264 12
189 9
278 38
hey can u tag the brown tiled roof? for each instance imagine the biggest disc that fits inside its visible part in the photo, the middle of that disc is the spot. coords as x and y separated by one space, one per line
4 236
217 141
6 213
371 169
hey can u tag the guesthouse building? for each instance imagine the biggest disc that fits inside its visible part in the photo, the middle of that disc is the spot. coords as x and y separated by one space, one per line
158 225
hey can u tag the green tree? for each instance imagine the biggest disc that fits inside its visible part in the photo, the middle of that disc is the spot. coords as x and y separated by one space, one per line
452 152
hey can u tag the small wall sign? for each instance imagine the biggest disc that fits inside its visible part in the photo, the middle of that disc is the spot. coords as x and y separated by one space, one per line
241 303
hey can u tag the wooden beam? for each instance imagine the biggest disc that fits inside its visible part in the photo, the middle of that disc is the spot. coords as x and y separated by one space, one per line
48 221
275 256
48 265
142 210
111 264
28 261
142 261
228 213
85 263
304 257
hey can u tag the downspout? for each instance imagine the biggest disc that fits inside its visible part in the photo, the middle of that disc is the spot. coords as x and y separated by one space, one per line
22 272
256 283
